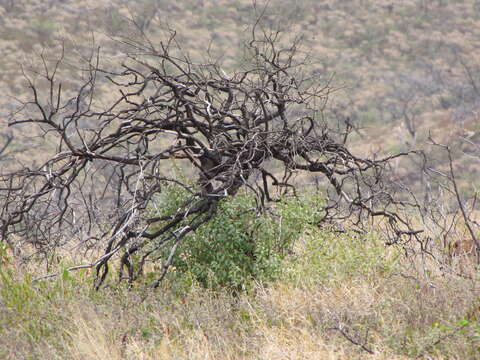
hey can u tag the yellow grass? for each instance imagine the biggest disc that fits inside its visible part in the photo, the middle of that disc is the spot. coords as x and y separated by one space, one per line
396 307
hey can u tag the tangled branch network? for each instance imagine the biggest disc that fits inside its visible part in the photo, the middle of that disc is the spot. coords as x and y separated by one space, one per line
118 131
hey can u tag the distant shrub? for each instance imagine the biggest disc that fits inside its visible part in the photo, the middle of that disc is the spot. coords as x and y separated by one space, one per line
43 27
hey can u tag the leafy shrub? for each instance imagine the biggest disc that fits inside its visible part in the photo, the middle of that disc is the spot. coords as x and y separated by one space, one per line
240 243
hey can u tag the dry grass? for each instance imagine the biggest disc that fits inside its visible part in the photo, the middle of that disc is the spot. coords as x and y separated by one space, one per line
378 298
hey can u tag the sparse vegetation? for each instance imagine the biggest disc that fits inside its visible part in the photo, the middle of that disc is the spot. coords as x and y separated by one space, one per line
397 307
306 239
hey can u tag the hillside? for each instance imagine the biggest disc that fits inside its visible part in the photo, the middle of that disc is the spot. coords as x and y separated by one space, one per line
408 69
273 241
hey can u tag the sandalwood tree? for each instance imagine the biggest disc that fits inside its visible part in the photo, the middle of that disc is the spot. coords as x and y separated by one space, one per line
120 131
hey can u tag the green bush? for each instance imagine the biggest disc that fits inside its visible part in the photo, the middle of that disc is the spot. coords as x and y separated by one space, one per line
240 243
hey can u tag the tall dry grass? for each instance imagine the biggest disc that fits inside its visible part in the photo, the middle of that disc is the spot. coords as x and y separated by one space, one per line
339 297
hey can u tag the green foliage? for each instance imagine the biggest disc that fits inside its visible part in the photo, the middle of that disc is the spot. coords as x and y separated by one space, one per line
329 256
27 305
170 200
33 307
240 243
